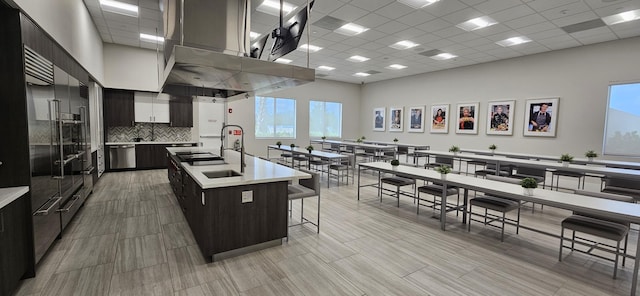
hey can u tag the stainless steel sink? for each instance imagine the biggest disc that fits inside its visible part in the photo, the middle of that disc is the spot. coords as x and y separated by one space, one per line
221 174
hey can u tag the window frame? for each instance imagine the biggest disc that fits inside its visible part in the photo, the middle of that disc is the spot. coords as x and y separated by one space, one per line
274 132
324 114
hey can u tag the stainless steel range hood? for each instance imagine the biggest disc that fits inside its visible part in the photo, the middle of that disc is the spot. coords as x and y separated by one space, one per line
205 48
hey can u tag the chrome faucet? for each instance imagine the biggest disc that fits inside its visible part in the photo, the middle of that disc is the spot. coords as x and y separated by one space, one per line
242 162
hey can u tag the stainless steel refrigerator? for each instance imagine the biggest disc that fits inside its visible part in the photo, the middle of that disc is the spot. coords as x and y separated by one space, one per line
59 148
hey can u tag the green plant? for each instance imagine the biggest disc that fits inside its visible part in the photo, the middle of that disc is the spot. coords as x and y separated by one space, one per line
591 154
309 148
493 147
529 183
363 138
278 143
395 139
443 169
454 149
395 162
323 137
359 140
292 145
566 157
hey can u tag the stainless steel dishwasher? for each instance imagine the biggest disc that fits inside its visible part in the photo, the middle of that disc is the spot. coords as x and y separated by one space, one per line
122 157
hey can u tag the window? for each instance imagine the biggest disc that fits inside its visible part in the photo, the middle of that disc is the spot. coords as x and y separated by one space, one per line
623 118
275 118
325 119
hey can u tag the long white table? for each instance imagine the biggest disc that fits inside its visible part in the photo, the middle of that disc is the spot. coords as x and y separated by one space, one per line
573 202
601 162
331 157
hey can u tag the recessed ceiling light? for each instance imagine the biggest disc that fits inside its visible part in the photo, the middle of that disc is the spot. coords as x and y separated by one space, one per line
477 23
283 61
326 68
119 8
357 58
417 4
273 7
312 48
351 29
361 74
253 35
444 56
151 38
396 67
622 17
513 41
404 44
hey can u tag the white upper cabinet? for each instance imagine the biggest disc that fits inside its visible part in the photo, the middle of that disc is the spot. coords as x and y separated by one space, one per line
151 107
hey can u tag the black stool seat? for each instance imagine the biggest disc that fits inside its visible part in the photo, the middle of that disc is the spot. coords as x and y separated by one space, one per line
495 203
397 181
606 229
435 189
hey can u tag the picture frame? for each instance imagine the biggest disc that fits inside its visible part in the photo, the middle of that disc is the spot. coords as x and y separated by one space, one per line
538 125
379 119
395 119
500 120
416 119
439 119
467 118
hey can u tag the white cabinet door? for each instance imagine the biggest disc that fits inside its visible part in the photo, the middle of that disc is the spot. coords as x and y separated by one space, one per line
143 106
161 108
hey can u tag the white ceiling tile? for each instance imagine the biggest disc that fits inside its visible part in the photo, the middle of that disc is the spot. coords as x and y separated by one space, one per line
434 25
340 47
409 33
354 41
372 20
415 18
335 37
440 43
537 28
267 19
525 21
326 6
542 5
149 4
493 30
394 10
150 14
532 48
461 38
595 4
316 32
547 34
565 10
370 5
448 32
115 32
557 42
443 8
462 15
597 38
391 27
349 13
492 6
512 13
372 35
478 42
626 32
473 2
575 19
426 39
618 8
118 18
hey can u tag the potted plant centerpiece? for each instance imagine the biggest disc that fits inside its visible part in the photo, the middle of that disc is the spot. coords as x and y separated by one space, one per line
395 163
443 170
309 148
591 155
566 159
455 149
363 138
395 140
279 144
529 184
323 138
292 146
493 148
359 140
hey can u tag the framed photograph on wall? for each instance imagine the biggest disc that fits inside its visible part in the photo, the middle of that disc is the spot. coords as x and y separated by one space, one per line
395 114
500 118
439 119
541 116
467 118
378 119
416 119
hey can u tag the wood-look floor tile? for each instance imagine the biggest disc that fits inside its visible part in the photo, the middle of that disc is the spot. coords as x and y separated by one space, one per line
282 287
221 287
166 200
139 252
86 252
189 269
92 280
251 270
312 276
327 248
193 291
154 280
437 281
392 256
140 208
46 268
102 208
139 226
177 235
94 226
170 215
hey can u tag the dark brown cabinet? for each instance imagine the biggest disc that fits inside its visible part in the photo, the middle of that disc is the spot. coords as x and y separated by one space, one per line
15 243
118 108
181 112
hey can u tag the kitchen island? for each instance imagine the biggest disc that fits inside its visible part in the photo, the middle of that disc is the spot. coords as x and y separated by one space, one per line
230 212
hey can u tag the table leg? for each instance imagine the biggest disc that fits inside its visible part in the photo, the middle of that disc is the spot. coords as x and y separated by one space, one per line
358 182
443 207
634 279
464 210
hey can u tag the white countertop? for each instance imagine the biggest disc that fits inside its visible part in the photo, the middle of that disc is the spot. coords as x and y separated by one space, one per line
146 142
9 194
257 170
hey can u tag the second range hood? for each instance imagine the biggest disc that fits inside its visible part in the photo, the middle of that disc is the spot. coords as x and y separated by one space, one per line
205 53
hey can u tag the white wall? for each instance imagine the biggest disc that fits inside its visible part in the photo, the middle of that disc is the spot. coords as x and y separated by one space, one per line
127 67
321 90
579 76
70 24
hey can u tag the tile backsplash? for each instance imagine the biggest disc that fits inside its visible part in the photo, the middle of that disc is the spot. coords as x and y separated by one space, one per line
161 132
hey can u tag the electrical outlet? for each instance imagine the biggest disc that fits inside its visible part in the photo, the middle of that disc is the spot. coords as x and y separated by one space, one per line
247 196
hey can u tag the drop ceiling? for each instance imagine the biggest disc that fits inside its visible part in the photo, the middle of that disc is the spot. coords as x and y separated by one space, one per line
545 22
